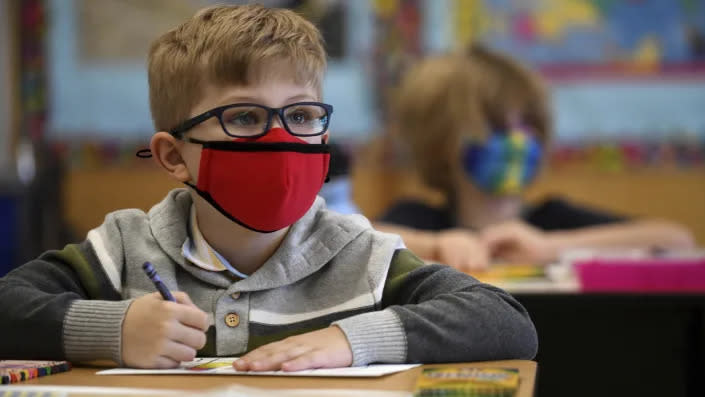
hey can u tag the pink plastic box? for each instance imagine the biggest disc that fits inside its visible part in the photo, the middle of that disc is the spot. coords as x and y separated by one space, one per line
641 275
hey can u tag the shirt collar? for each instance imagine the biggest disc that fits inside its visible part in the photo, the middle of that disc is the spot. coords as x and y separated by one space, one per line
197 250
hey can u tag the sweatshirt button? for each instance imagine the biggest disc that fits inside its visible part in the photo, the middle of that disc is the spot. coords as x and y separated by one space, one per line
235 295
232 320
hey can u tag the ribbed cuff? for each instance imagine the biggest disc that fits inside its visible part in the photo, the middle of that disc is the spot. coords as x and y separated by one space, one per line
375 337
93 329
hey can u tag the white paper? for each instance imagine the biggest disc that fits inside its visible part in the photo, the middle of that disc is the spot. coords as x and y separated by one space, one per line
229 391
64 391
244 391
223 366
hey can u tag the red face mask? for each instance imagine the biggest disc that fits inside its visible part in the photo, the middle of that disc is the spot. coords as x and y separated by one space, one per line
264 184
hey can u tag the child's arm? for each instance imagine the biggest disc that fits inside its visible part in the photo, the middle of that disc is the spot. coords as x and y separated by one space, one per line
637 234
36 298
58 307
520 242
422 242
433 313
67 305
459 248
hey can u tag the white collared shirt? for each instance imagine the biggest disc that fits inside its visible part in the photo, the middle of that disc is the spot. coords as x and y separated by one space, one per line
197 250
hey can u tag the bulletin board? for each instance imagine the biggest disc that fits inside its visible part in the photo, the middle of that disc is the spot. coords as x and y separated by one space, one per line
633 69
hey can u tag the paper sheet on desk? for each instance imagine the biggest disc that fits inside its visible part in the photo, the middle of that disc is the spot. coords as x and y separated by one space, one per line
230 391
243 391
223 366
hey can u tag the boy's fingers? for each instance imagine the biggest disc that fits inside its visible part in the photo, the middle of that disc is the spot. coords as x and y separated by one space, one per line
193 317
274 360
254 354
241 365
165 363
313 359
245 362
179 352
270 356
189 336
264 365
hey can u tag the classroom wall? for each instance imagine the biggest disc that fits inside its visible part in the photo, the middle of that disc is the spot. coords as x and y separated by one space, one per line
91 94
90 194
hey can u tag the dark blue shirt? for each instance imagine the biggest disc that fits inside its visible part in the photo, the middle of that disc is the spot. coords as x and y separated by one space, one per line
552 214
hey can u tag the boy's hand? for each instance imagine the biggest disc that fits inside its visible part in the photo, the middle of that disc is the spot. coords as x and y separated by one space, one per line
160 334
325 348
518 242
461 249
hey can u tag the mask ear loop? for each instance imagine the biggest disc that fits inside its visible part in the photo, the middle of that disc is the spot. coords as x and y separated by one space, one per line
147 153
144 153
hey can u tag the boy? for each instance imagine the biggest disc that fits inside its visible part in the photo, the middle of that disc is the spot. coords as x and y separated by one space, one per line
477 134
263 270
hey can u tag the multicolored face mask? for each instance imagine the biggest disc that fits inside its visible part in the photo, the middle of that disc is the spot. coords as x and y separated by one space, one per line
265 183
505 163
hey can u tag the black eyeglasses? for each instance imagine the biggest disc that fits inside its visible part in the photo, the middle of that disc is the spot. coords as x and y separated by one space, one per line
250 120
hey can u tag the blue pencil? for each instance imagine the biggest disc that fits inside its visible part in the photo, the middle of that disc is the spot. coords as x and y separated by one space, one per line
158 283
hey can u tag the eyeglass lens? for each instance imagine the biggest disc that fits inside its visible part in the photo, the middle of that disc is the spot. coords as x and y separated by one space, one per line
248 120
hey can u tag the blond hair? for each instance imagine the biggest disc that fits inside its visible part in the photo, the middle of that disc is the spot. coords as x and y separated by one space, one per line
228 45
444 100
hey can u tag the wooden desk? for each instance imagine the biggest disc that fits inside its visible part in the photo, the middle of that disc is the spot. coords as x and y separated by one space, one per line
404 381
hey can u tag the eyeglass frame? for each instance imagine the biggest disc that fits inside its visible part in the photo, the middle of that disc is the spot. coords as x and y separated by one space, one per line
186 125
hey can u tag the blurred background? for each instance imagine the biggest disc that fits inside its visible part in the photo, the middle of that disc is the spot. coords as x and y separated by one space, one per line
627 80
